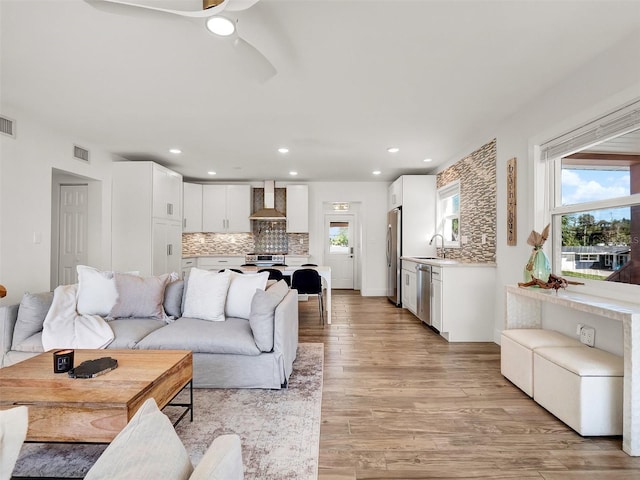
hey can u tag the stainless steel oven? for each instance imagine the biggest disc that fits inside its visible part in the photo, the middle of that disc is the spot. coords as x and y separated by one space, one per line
265 259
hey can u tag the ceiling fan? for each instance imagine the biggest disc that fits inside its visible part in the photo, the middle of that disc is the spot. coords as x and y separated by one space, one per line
218 25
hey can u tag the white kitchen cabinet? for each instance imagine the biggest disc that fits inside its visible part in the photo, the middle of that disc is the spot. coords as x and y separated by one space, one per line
192 208
296 260
462 302
226 208
219 262
395 194
146 231
167 193
436 298
187 264
297 208
416 194
409 287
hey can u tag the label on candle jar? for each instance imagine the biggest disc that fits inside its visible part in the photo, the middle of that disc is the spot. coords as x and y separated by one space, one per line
62 361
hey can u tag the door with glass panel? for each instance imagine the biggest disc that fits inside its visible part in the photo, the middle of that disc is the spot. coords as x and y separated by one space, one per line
339 249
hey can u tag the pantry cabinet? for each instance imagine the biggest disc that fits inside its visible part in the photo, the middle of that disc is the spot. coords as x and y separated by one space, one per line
146 218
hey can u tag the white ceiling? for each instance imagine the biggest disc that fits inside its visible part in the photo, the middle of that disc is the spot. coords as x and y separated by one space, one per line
354 77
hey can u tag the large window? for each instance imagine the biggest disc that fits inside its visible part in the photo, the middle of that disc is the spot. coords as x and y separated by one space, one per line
595 211
449 214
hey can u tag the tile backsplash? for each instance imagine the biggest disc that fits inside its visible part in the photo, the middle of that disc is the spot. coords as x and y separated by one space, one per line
477 175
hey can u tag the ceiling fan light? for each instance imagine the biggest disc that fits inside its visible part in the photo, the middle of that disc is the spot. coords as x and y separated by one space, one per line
221 26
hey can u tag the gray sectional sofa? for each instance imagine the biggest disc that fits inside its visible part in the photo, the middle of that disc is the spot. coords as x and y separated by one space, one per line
254 352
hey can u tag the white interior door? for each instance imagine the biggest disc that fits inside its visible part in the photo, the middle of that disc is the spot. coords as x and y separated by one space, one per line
72 247
339 249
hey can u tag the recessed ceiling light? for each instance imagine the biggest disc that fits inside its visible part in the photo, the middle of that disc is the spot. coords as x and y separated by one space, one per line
428 160
393 149
292 173
221 26
211 172
175 151
283 150
376 172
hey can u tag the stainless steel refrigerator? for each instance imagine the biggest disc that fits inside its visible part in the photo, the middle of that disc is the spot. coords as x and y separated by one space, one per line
394 251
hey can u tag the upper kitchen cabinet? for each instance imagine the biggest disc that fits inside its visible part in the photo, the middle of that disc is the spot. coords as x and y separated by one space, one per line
416 195
395 194
226 208
297 208
167 193
146 218
192 207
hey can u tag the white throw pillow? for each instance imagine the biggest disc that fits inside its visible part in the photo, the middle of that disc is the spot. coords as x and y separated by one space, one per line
97 292
241 291
13 430
206 294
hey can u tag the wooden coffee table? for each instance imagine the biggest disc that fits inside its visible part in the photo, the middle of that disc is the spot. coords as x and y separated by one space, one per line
94 410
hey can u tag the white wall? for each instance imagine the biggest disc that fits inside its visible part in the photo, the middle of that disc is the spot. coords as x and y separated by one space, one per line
607 82
26 175
373 217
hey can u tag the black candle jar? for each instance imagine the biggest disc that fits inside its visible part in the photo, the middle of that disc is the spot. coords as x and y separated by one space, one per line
62 361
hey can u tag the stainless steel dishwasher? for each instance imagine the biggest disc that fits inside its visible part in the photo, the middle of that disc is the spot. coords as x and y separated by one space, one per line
423 274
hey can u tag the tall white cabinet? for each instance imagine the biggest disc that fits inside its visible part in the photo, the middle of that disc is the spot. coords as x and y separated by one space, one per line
146 218
416 197
297 208
192 207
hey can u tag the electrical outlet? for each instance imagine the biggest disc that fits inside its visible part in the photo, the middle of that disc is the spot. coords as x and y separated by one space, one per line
484 238
588 336
579 329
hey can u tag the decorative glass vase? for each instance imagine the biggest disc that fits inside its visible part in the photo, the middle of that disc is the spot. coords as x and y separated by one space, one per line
538 266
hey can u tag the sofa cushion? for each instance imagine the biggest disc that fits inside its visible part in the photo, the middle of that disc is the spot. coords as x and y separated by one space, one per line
140 297
33 344
242 287
129 331
202 336
263 307
148 447
206 294
31 313
173 295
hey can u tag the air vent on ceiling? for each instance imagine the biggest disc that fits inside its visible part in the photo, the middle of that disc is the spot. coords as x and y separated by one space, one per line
7 126
80 153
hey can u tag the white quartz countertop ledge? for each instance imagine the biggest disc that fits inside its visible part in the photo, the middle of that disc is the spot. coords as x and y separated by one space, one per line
446 262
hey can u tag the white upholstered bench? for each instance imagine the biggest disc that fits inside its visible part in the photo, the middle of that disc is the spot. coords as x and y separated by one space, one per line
516 353
582 386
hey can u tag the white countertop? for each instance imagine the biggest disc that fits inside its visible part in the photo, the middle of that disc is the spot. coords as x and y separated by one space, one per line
446 262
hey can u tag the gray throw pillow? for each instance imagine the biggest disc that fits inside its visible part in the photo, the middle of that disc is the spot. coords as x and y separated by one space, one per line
148 447
139 297
173 298
261 318
31 313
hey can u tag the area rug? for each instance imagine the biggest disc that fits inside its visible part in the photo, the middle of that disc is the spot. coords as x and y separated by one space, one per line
279 429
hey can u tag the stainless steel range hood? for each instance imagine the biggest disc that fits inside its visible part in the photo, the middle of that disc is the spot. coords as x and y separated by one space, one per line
268 212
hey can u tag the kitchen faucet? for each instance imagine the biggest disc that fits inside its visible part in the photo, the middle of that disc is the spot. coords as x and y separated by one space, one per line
444 253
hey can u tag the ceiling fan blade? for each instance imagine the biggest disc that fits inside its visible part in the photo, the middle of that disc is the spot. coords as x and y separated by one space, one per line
119 6
253 61
238 5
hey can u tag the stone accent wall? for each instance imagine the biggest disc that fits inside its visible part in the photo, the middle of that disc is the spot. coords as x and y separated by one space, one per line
477 176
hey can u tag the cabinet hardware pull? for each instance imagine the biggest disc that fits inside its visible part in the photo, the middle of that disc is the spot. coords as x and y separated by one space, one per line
170 249
169 208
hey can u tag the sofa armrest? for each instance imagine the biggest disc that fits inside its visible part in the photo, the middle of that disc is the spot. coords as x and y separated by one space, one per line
222 460
8 318
285 335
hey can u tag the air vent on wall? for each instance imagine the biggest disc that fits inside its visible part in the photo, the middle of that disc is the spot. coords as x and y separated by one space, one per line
7 126
80 153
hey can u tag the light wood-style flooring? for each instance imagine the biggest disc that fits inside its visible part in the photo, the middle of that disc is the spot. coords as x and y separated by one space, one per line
399 402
